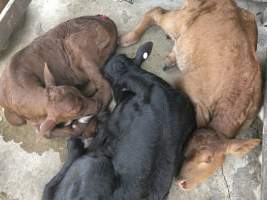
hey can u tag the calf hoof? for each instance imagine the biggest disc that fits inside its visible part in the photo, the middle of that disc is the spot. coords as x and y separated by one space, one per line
14 119
128 39
167 68
89 90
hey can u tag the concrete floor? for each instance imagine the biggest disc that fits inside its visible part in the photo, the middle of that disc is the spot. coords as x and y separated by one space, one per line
26 165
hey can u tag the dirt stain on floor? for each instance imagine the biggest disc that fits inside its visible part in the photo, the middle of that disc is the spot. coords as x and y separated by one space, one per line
27 136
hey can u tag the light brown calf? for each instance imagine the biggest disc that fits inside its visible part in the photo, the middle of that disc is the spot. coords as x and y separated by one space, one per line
215 44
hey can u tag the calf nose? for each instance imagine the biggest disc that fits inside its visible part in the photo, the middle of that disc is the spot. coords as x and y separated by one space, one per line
182 184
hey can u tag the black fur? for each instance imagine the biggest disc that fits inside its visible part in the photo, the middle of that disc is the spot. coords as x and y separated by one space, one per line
138 149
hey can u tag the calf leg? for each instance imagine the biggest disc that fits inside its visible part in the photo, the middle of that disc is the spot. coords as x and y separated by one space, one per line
170 21
75 151
76 129
13 118
90 60
63 132
89 89
167 20
170 60
103 90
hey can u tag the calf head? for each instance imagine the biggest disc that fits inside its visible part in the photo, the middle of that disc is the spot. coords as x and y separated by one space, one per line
206 152
121 64
64 103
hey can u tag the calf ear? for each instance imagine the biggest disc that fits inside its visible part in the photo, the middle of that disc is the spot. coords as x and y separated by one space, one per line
142 53
241 147
48 77
47 126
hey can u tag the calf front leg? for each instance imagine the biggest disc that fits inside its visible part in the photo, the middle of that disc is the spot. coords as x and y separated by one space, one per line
170 60
63 132
103 90
88 90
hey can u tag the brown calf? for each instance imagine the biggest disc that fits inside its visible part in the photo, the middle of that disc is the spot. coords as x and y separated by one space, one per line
58 77
215 44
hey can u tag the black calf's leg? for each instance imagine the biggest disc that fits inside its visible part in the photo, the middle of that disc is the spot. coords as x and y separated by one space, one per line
75 151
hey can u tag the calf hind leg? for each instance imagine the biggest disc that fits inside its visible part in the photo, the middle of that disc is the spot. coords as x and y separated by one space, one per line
152 17
170 21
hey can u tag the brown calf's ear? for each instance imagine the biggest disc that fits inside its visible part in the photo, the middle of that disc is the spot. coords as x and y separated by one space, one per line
47 126
241 147
48 77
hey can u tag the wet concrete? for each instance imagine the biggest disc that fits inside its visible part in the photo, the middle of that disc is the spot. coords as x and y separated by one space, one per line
26 164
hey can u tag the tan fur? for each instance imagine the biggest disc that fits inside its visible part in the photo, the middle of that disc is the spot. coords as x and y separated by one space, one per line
215 44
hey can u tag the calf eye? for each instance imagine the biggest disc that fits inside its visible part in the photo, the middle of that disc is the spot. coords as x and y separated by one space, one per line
190 155
205 156
208 159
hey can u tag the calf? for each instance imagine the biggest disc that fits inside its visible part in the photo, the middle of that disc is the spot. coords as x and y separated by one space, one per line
215 43
138 148
53 79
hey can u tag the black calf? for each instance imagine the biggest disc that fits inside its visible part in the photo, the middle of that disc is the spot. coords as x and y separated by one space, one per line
138 149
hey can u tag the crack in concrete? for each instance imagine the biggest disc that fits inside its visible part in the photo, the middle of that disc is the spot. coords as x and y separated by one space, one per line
227 186
128 1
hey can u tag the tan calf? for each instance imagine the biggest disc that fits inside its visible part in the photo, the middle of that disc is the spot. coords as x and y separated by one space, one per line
215 44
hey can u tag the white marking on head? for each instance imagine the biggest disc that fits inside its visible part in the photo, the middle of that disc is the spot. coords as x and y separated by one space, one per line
85 120
145 55
87 142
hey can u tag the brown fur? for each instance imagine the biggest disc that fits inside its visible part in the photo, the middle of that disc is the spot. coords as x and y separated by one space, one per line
86 130
43 81
215 44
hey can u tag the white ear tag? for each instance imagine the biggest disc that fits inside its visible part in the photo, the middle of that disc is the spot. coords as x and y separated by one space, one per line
145 55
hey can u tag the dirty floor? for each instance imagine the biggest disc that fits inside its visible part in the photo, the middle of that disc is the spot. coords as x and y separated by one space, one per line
26 165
